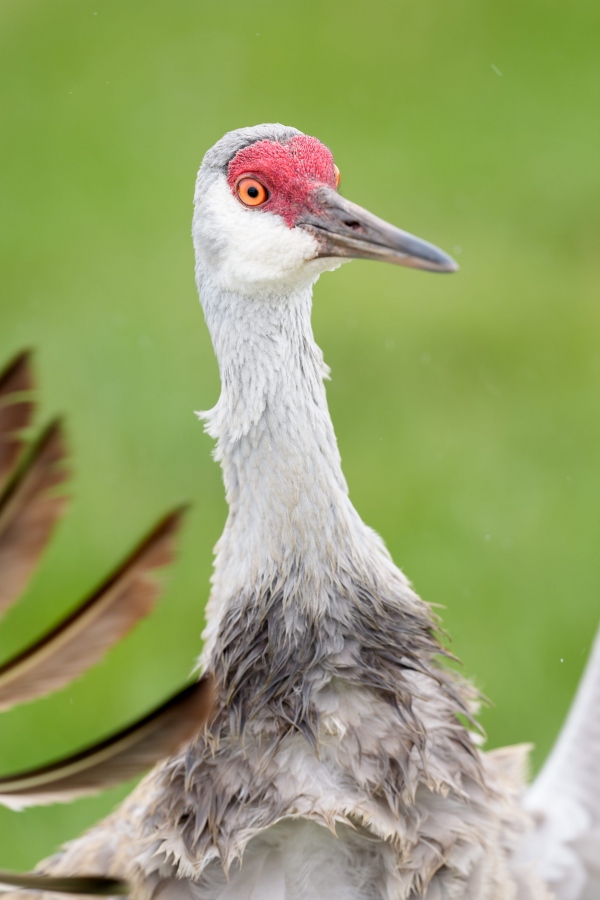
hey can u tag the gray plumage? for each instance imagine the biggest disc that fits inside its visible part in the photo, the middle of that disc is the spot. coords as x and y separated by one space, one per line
339 763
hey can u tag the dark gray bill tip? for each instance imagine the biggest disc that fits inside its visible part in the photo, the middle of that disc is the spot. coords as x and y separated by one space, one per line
432 259
405 249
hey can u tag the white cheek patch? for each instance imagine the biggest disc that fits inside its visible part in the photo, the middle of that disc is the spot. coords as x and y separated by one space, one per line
247 247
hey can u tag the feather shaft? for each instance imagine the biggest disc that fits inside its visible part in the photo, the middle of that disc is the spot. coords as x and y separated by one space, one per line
28 513
16 413
85 636
117 758
78 884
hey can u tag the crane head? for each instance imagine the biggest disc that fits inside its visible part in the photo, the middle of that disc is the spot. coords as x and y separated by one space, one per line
268 213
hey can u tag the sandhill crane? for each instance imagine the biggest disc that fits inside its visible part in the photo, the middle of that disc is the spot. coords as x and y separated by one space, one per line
337 761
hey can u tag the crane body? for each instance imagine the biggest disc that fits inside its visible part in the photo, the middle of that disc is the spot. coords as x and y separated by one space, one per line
342 761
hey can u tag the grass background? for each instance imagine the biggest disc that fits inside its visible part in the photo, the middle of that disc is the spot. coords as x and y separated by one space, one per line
466 407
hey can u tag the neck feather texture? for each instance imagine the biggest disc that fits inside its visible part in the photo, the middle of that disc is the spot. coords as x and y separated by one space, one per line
291 524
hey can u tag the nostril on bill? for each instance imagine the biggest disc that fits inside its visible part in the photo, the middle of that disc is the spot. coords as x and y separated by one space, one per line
352 223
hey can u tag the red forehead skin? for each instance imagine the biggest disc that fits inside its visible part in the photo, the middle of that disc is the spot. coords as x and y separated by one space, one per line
289 171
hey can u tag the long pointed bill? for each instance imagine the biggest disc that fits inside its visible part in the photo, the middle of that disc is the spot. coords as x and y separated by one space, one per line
343 228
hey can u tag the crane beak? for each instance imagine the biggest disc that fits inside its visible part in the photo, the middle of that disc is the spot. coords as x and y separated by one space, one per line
343 228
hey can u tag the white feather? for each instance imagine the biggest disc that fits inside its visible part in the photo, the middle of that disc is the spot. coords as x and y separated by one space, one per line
565 798
295 860
251 251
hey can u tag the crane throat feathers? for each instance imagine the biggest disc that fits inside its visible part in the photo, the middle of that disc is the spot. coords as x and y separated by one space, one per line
243 251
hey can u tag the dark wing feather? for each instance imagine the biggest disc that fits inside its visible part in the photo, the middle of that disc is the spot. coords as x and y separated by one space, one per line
28 512
81 640
16 413
79 884
120 757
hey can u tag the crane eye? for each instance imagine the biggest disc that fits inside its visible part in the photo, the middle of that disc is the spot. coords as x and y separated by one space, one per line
251 192
337 174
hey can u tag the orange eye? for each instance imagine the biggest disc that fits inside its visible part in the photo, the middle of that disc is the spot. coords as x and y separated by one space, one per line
338 177
251 192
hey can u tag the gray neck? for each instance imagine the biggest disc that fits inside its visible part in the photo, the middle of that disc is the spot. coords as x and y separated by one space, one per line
289 511
299 579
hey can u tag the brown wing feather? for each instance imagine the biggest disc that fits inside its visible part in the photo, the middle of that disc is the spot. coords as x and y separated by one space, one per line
116 759
78 884
16 413
29 512
81 640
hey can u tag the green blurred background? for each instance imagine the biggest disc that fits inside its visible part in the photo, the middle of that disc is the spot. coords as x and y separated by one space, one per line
466 407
